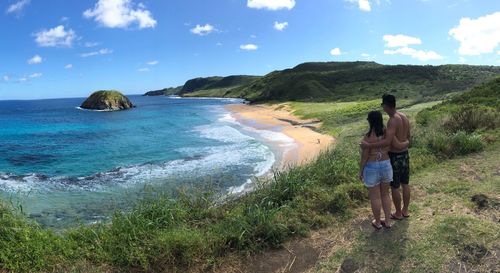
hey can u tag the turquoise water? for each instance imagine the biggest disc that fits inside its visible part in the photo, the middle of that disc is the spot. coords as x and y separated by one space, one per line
63 165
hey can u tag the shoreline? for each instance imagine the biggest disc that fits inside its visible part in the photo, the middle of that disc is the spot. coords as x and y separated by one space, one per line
309 143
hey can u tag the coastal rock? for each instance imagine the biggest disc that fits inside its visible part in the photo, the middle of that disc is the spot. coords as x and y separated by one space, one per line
107 100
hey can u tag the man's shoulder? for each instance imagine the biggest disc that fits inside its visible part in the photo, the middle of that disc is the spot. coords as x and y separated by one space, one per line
402 116
396 118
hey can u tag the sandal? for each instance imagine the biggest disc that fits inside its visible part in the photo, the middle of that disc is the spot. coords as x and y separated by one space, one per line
375 226
405 216
385 225
396 218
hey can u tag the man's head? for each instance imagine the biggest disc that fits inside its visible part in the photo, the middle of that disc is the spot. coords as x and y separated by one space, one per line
388 103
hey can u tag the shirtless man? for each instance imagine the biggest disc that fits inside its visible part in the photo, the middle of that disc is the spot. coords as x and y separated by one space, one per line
398 126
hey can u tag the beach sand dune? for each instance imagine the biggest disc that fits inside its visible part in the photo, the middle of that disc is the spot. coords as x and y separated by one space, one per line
270 116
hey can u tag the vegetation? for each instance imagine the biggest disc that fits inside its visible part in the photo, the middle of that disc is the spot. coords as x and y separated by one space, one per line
221 83
345 81
107 100
363 81
164 92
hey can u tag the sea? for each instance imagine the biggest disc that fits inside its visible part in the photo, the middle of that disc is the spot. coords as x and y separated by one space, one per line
63 166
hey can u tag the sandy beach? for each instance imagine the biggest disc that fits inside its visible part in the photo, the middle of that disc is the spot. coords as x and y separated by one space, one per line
269 117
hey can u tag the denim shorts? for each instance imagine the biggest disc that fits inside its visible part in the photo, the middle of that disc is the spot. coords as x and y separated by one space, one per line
376 172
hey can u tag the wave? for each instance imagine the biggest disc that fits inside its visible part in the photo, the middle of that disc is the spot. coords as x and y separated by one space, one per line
93 110
237 152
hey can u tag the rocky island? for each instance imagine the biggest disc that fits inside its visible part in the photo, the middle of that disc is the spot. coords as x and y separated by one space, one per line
107 100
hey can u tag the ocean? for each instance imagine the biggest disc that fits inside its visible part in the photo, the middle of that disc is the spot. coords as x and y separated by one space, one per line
64 166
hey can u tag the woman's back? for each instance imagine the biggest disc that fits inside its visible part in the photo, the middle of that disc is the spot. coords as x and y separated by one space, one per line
377 154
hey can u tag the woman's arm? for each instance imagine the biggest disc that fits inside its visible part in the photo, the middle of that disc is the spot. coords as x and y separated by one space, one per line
400 145
365 152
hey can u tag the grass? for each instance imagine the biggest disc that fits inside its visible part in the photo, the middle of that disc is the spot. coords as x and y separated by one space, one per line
446 232
195 229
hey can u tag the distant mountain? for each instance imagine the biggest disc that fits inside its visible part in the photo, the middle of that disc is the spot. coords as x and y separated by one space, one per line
164 92
362 80
324 81
214 86
210 86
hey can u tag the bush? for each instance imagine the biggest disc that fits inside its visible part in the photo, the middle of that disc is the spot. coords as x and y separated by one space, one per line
464 143
472 118
450 145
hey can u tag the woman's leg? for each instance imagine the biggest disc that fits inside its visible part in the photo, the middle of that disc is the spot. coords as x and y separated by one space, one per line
374 193
386 202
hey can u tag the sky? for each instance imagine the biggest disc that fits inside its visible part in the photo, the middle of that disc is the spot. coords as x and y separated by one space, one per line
61 48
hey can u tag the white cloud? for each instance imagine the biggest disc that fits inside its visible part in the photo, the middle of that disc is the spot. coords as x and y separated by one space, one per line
203 30
120 14
218 44
35 60
17 6
55 37
103 51
280 26
6 78
23 79
68 66
155 62
368 56
477 36
144 69
35 75
249 47
335 52
462 60
498 52
401 40
421 55
90 44
363 5
271 4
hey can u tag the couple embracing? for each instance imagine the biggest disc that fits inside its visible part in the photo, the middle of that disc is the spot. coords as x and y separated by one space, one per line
385 163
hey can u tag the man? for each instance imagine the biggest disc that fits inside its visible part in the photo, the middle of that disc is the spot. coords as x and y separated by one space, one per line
398 126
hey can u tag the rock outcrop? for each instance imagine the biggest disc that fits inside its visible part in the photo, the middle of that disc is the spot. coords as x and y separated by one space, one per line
107 100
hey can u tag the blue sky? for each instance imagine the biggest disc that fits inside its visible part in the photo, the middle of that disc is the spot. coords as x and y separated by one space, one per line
60 48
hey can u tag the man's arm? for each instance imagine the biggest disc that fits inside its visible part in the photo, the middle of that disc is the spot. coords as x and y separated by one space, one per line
400 145
389 135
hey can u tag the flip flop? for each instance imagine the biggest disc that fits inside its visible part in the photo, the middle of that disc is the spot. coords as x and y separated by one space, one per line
396 218
405 216
375 226
385 225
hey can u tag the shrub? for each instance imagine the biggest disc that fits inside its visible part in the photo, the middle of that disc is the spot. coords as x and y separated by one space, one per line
464 143
471 118
459 143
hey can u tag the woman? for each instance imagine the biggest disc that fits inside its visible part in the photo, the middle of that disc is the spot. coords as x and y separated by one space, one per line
376 171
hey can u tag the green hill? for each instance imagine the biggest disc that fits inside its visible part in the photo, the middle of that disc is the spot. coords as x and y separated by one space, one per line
205 87
164 92
198 86
362 80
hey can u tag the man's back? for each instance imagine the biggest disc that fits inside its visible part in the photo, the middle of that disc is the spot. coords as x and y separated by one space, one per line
402 129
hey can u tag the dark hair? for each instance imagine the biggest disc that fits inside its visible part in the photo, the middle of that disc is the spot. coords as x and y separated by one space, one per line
389 100
376 123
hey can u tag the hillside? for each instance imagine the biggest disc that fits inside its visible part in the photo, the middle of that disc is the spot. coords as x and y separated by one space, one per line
164 92
363 80
205 87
